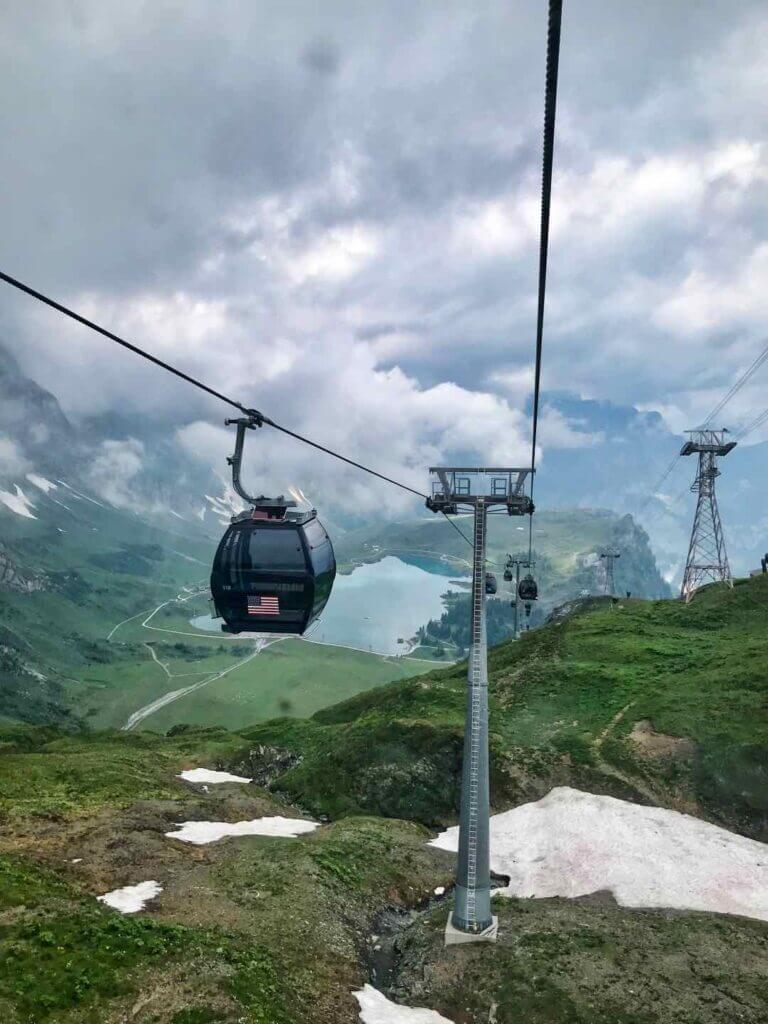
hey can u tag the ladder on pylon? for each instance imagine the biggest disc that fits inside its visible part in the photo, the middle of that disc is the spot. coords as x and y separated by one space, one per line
476 713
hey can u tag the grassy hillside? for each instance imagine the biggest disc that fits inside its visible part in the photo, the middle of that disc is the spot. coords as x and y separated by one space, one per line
256 930
655 700
73 571
650 700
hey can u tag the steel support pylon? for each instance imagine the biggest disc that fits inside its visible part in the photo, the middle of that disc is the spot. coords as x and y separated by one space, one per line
472 911
707 561
609 560
479 488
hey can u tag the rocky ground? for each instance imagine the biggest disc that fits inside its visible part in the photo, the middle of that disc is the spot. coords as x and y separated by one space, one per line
255 928
589 961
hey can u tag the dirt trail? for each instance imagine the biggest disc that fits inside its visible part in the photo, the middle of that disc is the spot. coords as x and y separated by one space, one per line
174 695
609 769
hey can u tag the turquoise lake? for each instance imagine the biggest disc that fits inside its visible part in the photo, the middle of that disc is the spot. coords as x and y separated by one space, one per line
377 605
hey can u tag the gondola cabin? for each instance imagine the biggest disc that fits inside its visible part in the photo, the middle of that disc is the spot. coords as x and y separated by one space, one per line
273 571
491 583
528 592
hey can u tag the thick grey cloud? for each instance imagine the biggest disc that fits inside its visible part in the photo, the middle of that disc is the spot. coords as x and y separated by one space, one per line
332 211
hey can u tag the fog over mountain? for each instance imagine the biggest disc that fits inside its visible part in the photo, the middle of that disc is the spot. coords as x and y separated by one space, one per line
138 466
325 214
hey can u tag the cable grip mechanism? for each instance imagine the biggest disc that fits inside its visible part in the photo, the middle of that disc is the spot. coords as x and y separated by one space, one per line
250 422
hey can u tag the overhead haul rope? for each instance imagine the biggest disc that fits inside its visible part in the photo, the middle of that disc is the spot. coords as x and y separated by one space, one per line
254 414
550 104
738 385
758 421
730 393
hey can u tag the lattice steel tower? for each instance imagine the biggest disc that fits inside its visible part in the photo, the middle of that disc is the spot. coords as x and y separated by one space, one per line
707 560
609 558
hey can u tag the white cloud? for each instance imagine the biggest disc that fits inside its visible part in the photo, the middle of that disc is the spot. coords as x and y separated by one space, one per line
557 432
399 427
12 460
710 300
518 384
113 470
336 255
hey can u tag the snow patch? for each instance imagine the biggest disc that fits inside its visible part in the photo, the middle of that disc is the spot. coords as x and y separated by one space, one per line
202 832
209 775
572 843
226 504
375 1008
18 502
87 497
131 898
188 558
41 483
78 495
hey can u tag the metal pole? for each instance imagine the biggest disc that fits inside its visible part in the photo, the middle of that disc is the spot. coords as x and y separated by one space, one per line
472 911
517 599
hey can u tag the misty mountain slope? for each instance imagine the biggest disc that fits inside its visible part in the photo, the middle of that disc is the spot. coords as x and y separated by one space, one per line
34 432
72 562
73 567
576 538
658 700
567 548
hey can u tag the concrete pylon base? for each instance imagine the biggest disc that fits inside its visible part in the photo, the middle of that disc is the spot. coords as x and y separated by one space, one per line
455 937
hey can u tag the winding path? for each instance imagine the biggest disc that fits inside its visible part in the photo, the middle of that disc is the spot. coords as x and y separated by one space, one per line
260 644
174 695
609 769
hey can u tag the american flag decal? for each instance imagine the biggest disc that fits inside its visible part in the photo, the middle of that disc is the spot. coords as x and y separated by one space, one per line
263 604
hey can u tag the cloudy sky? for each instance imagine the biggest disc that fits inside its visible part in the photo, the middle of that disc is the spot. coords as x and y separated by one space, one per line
331 211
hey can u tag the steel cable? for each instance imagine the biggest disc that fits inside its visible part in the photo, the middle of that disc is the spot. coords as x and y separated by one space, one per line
550 106
253 413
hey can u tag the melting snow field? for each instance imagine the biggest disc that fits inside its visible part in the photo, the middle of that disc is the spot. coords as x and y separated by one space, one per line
572 843
132 898
201 832
209 775
41 483
18 502
377 1009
